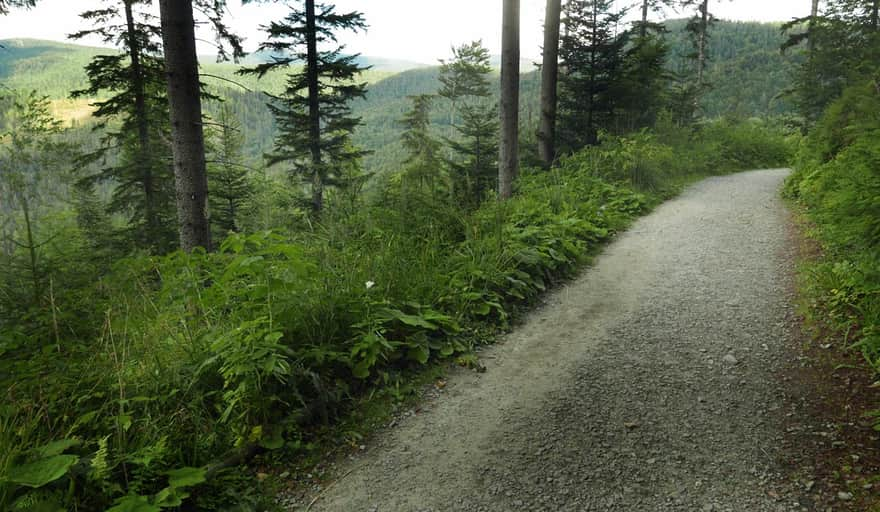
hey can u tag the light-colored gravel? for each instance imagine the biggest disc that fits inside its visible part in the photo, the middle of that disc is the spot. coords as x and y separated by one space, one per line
648 384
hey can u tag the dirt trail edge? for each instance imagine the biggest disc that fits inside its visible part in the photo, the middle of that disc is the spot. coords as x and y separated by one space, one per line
647 384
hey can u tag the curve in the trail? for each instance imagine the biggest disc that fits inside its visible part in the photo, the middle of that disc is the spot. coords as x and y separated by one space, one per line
647 384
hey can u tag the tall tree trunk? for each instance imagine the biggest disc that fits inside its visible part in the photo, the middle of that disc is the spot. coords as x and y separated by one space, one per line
643 29
549 83
814 14
143 127
187 137
314 108
592 133
702 40
875 15
508 161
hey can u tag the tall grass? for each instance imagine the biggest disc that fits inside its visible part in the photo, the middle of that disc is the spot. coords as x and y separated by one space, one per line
196 356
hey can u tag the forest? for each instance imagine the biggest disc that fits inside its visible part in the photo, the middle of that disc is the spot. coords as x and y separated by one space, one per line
216 273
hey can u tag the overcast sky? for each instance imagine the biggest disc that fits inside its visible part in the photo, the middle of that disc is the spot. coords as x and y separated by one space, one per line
419 30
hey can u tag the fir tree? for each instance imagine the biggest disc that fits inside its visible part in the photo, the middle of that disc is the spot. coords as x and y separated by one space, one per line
593 58
698 30
31 154
475 172
464 76
6 5
133 155
313 113
843 43
228 182
423 165
641 91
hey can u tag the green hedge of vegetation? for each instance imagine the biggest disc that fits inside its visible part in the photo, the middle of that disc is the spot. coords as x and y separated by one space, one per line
837 181
132 384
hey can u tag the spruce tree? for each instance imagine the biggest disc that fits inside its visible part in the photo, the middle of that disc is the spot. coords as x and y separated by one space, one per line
423 166
593 58
185 104
134 154
698 30
31 154
229 186
641 90
6 5
475 171
843 43
313 113
473 140
465 76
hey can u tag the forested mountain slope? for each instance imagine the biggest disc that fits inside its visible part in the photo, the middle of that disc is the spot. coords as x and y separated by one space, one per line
747 73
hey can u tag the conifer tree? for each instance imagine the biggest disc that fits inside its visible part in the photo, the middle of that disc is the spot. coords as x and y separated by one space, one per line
228 181
31 153
313 113
465 76
641 90
698 29
593 56
843 43
138 110
185 103
423 165
6 5
474 173
187 135
645 27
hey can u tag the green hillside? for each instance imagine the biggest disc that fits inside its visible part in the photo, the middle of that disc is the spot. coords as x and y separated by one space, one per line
747 74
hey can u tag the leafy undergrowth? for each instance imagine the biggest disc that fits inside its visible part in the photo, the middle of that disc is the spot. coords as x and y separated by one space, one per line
830 390
837 185
142 389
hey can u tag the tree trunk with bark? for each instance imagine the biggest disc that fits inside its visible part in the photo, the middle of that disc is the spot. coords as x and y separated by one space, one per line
508 161
187 137
702 39
549 83
314 108
875 15
142 122
814 14
643 28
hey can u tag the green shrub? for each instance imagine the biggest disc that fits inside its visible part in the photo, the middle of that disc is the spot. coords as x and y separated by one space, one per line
169 363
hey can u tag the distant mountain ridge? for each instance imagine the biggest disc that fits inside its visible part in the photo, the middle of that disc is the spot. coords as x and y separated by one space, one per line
747 73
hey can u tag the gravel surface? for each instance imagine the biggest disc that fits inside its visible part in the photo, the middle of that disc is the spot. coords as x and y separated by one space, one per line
648 384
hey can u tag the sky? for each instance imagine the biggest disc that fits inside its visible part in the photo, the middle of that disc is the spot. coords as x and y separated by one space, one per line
416 30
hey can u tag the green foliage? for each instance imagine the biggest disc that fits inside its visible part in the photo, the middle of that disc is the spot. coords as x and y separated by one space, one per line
423 169
229 183
134 155
837 181
465 76
840 50
474 168
592 57
170 362
313 112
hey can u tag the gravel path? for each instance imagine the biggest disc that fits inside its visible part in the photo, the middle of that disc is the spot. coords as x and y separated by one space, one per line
648 384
